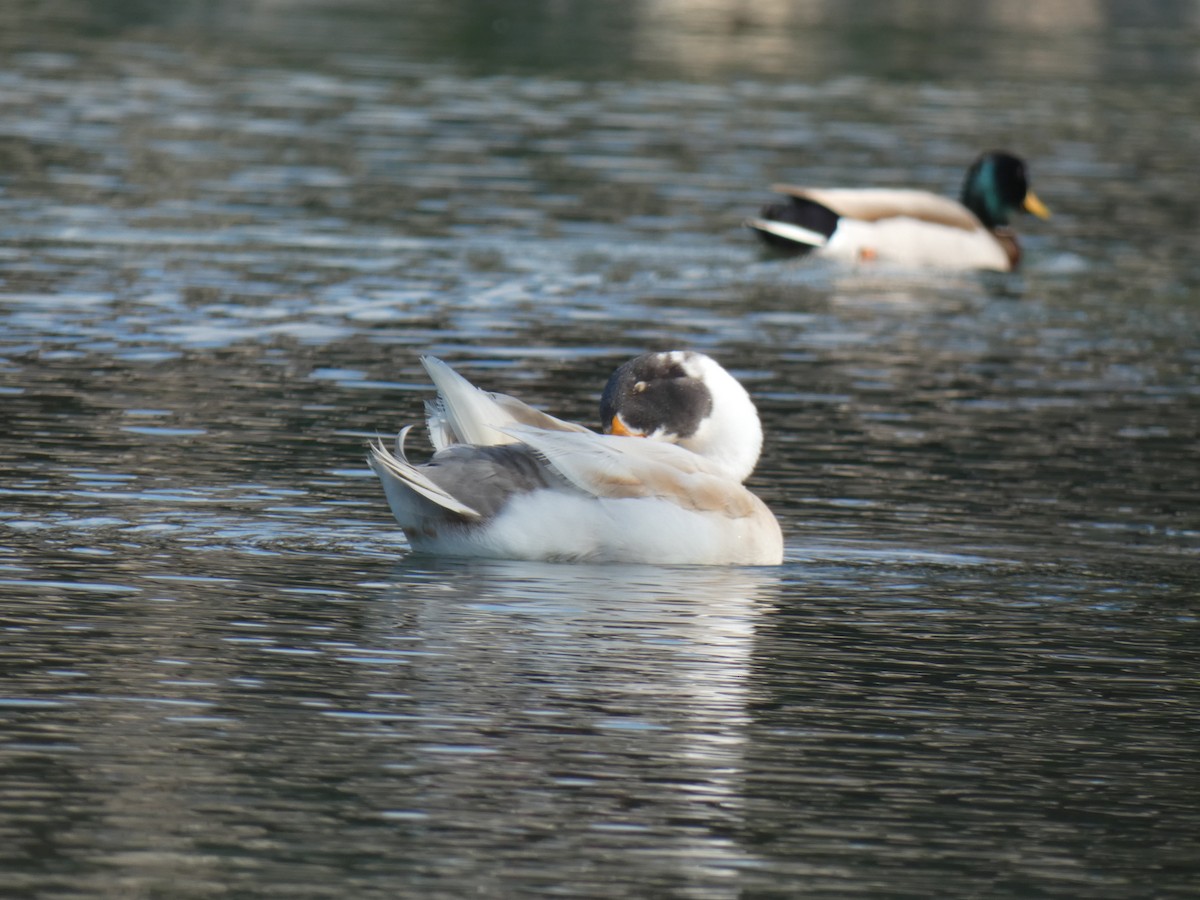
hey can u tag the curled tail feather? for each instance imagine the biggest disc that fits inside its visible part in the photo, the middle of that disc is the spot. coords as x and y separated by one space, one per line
399 472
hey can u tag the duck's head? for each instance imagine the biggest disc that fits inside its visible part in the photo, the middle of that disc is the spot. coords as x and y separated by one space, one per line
997 186
685 398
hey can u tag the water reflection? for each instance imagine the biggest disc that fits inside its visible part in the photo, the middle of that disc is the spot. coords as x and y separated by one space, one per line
469 699
714 38
468 726
617 663
582 666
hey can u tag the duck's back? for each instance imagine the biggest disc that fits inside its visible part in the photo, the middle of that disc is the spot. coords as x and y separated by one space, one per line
875 204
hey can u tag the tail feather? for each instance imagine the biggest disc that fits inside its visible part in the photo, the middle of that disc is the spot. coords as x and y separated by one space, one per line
784 235
799 225
401 479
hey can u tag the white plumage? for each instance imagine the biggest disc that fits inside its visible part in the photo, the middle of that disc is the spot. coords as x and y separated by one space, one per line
510 482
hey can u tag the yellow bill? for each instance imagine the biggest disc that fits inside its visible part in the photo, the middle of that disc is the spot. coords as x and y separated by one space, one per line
1034 205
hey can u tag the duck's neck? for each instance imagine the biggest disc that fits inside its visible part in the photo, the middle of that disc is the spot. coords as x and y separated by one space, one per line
732 436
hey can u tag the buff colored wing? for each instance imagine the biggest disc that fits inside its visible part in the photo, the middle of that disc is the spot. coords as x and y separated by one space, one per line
615 467
874 204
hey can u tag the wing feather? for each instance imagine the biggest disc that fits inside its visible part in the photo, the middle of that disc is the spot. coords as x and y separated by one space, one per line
611 466
465 414
873 204
386 465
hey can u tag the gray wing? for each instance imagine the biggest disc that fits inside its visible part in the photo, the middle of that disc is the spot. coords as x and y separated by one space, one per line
486 478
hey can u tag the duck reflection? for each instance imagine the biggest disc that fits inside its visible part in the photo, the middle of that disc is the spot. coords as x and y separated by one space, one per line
594 700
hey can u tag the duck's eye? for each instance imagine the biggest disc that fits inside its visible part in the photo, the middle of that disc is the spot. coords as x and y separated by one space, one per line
639 387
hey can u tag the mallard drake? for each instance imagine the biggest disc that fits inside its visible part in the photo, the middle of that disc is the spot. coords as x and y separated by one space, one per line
662 484
909 227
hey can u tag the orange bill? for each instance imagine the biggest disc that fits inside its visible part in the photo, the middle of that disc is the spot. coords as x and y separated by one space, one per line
616 426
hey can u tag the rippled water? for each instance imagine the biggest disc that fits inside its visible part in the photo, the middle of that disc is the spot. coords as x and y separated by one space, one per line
229 231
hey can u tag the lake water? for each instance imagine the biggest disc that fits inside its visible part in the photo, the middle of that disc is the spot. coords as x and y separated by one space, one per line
227 232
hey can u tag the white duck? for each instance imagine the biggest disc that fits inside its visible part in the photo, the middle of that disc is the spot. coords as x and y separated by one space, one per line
662 485
908 227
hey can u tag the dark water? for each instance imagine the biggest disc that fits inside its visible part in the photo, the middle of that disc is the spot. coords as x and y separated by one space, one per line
227 231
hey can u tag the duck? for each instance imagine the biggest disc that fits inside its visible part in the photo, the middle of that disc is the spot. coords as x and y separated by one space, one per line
661 483
909 228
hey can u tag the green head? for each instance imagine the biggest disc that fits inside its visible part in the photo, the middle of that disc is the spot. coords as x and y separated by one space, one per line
997 186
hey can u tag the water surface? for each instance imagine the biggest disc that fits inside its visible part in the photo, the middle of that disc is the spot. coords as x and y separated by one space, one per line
229 231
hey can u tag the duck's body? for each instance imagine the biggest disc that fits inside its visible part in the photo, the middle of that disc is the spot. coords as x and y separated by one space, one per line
509 482
909 228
